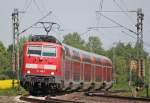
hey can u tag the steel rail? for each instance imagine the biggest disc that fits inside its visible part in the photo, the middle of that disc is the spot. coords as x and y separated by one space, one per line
118 96
47 100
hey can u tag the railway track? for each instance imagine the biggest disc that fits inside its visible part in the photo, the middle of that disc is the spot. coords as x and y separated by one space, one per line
118 97
47 100
88 97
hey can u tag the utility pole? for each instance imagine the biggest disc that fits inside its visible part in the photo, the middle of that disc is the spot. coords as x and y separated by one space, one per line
15 53
139 26
114 62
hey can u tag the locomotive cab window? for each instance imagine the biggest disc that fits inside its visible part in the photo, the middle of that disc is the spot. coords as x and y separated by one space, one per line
48 51
34 50
37 50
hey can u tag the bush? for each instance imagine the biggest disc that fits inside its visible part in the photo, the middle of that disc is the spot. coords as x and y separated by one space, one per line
3 77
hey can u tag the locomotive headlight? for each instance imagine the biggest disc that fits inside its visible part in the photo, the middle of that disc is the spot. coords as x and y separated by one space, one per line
28 71
52 73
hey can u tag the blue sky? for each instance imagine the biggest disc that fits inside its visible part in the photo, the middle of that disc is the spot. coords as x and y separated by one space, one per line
76 16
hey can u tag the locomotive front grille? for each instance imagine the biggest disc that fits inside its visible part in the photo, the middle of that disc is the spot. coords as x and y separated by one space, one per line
40 79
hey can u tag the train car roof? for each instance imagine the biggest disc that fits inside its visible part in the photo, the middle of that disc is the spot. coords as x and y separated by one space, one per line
88 53
52 39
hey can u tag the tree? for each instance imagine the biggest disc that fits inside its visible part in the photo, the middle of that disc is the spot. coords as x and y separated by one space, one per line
4 62
95 45
9 53
74 40
147 69
121 52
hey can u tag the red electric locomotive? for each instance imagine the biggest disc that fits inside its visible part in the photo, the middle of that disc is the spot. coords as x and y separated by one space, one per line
49 65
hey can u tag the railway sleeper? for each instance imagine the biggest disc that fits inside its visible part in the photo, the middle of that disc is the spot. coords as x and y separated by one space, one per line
102 86
90 87
77 88
68 88
108 86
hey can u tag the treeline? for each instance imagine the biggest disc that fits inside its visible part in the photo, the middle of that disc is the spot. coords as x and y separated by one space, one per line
5 62
121 53
6 71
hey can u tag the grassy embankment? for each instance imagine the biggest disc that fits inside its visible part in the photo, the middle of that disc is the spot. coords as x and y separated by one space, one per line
130 90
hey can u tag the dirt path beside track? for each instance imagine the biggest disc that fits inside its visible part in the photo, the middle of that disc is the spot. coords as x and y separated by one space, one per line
10 99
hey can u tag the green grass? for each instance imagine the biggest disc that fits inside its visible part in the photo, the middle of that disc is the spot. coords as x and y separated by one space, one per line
143 92
12 92
124 86
120 85
8 92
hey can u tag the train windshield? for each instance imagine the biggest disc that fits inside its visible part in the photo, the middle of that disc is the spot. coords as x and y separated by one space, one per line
48 51
41 50
34 50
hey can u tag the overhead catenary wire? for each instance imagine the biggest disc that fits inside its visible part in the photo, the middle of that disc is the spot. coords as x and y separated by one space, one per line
43 5
37 6
100 9
113 21
125 28
100 4
125 5
104 27
36 22
145 43
131 11
126 13
58 20
129 34
27 5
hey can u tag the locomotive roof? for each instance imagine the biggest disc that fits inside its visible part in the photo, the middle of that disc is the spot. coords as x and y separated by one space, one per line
45 38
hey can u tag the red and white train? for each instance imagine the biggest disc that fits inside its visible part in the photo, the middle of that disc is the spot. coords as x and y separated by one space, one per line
49 65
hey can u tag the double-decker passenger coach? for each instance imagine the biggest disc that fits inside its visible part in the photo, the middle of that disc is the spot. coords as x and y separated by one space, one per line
49 65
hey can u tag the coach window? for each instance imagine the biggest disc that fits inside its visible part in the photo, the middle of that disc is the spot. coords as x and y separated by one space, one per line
34 50
48 51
